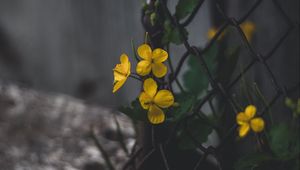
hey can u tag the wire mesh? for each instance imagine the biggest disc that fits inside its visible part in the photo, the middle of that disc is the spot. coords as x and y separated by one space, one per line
217 87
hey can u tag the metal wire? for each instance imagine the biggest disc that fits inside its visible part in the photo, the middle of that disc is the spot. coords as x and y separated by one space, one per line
217 88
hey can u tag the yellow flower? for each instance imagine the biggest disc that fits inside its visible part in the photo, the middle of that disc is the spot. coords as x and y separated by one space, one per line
153 100
212 32
246 121
248 29
121 72
152 60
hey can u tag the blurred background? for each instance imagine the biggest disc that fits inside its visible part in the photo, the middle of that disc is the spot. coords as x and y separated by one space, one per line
71 47
57 57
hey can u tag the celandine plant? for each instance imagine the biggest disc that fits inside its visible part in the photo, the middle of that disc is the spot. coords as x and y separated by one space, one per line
250 117
153 98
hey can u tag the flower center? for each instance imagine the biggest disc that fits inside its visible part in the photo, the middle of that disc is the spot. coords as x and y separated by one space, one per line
150 103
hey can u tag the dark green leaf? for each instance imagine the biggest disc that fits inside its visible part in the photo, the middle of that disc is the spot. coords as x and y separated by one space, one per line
135 111
195 80
185 103
284 141
172 34
251 161
198 128
185 7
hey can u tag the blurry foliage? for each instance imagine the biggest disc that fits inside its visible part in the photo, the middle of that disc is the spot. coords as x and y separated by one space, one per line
185 7
172 34
185 104
284 141
294 105
194 79
198 128
134 111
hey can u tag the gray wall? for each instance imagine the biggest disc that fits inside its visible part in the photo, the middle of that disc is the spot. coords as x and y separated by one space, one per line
58 44
71 46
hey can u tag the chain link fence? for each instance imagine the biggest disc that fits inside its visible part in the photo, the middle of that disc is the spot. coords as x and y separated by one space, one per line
140 155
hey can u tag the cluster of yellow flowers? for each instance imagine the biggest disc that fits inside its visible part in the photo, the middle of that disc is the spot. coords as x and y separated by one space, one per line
154 99
150 67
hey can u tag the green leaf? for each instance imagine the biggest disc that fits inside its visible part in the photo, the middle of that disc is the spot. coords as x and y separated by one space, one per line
135 111
195 80
185 7
251 161
185 103
284 141
227 65
198 128
172 34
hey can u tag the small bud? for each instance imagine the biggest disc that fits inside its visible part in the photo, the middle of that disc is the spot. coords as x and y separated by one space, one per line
153 18
289 103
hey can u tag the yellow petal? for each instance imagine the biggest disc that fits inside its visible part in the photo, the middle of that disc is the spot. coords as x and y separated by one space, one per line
145 52
257 124
164 98
120 69
150 87
128 69
211 33
143 67
125 63
159 69
250 111
242 118
118 85
145 100
124 58
118 75
159 55
248 29
156 115
243 130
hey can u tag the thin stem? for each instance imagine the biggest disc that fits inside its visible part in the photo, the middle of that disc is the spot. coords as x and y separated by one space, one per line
152 136
146 38
101 149
244 88
134 50
120 136
170 62
203 158
258 142
258 92
170 66
147 156
163 156
135 77
132 159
